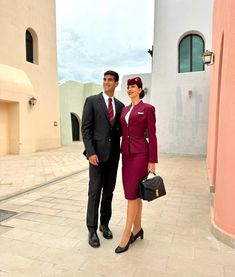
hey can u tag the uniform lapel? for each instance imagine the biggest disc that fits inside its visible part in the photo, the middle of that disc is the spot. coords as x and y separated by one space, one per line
133 116
127 108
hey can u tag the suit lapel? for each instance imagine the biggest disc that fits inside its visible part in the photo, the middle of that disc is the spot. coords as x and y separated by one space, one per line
103 105
117 109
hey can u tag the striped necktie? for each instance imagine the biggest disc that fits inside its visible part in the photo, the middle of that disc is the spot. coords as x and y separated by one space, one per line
110 109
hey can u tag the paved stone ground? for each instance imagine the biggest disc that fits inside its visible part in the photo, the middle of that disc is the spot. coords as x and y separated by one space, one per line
20 173
48 236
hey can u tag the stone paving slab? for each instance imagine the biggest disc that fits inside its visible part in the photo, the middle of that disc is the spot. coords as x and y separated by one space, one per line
48 236
20 173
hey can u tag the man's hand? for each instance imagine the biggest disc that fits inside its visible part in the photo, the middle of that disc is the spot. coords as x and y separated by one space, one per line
93 159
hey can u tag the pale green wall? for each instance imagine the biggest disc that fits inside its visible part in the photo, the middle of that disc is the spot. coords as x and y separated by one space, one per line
72 98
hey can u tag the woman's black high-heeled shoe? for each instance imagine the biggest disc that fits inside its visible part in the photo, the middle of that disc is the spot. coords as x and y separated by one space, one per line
120 249
139 234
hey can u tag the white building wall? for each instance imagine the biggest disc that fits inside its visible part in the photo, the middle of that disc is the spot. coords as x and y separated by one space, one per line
181 120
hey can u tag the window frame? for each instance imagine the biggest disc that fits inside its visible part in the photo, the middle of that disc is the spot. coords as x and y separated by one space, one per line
35 56
191 52
29 45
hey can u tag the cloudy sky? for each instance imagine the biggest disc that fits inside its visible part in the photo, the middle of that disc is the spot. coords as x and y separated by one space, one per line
97 35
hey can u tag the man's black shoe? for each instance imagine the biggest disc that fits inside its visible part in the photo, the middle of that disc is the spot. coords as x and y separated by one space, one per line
106 232
93 239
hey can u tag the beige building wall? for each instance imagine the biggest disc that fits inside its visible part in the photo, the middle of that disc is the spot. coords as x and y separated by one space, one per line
72 98
4 122
25 128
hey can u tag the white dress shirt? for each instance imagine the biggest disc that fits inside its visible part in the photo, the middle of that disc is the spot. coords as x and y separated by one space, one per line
106 99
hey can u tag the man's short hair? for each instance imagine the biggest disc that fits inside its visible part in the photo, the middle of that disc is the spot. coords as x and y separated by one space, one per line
113 73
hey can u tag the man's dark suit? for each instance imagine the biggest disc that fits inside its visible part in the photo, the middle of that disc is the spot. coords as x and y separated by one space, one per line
102 138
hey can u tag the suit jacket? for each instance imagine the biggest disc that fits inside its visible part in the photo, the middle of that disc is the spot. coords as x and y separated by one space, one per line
142 119
100 137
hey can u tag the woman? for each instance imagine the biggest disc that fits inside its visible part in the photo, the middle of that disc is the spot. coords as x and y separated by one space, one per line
139 156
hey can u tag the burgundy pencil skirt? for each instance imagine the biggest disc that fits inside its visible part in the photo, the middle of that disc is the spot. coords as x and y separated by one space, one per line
134 168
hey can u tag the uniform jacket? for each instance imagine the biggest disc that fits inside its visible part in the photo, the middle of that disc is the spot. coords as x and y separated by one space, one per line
142 119
100 137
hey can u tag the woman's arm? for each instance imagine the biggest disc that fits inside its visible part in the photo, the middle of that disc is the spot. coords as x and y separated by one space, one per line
153 151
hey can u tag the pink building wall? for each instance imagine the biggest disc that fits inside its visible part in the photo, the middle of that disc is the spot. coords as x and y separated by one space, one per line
221 130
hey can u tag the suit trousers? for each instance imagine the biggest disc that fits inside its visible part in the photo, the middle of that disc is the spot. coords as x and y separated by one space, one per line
101 186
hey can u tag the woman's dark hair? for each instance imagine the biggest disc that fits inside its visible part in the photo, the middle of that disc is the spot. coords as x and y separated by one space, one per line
113 73
140 85
142 94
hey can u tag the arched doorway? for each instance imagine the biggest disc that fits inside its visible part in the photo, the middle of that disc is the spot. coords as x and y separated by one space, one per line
75 127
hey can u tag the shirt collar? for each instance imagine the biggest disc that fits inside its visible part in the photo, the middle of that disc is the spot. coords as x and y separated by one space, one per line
106 97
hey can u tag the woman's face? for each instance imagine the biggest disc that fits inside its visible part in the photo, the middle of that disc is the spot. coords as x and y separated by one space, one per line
133 91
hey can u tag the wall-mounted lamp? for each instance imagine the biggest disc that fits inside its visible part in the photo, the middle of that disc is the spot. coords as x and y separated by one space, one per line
32 101
145 90
190 93
150 51
208 57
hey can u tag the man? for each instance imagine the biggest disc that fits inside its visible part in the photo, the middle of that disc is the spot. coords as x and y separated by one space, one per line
101 137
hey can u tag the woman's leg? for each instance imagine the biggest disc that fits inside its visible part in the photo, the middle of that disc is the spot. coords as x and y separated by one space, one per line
137 222
132 208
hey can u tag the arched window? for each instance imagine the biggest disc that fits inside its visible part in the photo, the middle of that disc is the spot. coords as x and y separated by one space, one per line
29 46
75 127
191 48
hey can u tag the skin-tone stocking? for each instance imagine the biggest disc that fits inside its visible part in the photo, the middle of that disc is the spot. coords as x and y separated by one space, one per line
132 210
137 222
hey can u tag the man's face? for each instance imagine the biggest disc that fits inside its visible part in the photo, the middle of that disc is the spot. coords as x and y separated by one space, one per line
109 83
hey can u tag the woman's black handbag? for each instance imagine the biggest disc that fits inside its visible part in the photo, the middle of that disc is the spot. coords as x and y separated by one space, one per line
152 188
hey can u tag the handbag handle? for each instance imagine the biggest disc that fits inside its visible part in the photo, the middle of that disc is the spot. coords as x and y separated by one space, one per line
146 177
